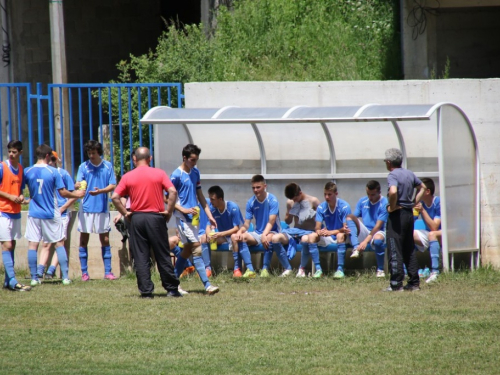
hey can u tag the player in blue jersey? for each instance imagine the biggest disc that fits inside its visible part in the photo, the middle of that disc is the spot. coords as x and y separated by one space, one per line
301 211
430 237
331 225
372 209
64 205
12 183
228 216
264 207
44 216
186 179
93 215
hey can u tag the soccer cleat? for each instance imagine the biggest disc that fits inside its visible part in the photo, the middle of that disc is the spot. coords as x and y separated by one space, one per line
237 273
286 273
66 281
426 272
110 276
174 293
208 271
421 272
301 273
187 271
182 291
355 253
380 274
85 277
318 274
411 288
338 275
249 274
432 278
264 273
211 290
147 296
48 276
35 282
21 288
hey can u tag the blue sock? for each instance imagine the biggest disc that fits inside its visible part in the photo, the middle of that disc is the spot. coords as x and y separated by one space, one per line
63 261
83 253
304 258
106 258
200 268
354 233
281 253
245 255
8 263
32 259
180 264
51 270
341 256
205 254
434 250
268 256
237 263
40 269
379 253
313 250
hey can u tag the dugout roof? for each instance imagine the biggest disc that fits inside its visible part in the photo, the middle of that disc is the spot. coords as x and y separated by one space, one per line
325 143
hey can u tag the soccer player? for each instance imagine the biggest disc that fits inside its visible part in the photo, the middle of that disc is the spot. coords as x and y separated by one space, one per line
93 215
12 183
44 215
372 209
430 237
186 179
64 204
228 216
400 244
264 207
301 211
331 225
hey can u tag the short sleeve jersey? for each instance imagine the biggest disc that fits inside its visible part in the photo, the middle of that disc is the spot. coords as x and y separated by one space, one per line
406 182
21 186
372 212
97 176
43 182
434 210
333 219
261 211
229 218
186 185
69 185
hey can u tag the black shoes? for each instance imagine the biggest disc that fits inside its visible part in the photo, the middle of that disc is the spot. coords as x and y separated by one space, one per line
174 293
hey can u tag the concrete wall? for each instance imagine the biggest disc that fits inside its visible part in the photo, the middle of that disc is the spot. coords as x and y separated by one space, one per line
480 99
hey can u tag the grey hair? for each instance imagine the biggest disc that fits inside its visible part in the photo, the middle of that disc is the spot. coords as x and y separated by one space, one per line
395 156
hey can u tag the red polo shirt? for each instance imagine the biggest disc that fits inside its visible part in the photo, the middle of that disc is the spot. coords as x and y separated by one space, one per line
145 186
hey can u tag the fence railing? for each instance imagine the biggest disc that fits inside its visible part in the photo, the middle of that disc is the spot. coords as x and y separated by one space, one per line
70 114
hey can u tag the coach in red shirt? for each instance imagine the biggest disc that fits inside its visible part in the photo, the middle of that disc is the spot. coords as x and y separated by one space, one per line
145 187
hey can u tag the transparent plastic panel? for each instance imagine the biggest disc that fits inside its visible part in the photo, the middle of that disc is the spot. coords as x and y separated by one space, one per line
460 180
396 111
226 148
360 146
162 113
253 113
324 112
420 139
300 148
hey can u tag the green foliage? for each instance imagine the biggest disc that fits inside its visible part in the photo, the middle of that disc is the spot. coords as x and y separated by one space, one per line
263 40
445 74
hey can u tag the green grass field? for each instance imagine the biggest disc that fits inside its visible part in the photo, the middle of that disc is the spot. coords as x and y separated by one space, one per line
261 326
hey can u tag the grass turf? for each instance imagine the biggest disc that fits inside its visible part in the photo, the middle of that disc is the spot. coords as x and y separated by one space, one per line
269 326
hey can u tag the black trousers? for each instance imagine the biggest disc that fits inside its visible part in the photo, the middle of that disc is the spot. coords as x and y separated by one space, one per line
149 231
401 248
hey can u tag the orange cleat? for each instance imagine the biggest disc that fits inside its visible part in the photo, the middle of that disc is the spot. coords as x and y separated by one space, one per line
237 273
187 271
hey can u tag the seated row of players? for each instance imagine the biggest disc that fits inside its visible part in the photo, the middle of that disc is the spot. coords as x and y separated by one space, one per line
314 224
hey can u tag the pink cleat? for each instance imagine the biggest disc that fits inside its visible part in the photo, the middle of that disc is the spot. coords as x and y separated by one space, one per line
85 277
110 276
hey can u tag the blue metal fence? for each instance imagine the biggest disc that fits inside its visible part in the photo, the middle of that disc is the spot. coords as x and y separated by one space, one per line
70 114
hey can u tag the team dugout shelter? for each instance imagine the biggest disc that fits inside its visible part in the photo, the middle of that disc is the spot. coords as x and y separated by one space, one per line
313 145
